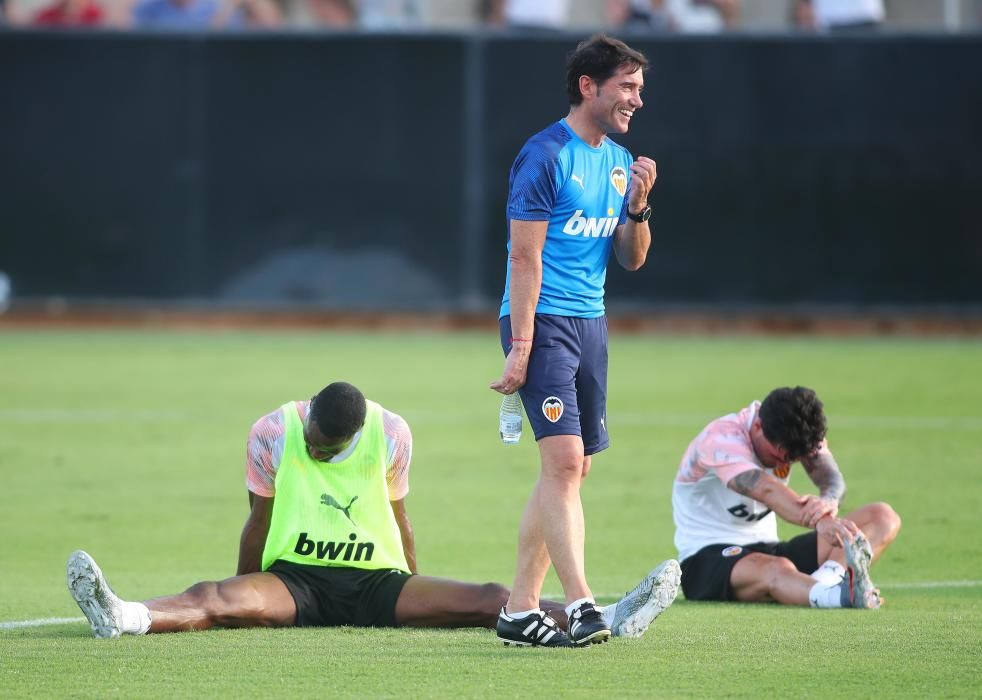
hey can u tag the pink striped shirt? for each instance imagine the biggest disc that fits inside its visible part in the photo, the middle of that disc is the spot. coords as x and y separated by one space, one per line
264 450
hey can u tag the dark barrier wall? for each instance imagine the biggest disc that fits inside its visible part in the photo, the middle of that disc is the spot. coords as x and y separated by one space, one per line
371 171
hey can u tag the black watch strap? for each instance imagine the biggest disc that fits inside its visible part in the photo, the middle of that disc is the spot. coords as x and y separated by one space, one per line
641 216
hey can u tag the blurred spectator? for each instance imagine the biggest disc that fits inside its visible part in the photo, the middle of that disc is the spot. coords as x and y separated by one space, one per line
527 14
337 14
71 13
389 14
639 15
838 15
704 16
205 14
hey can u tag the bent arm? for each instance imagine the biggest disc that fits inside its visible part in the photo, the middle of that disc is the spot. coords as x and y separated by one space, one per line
631 243
824 473
761 486
406 532
254 533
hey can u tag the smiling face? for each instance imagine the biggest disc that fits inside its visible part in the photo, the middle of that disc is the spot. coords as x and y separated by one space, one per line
612 103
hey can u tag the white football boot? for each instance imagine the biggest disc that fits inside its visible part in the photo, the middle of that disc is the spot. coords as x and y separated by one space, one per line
638 609
859 556
94 596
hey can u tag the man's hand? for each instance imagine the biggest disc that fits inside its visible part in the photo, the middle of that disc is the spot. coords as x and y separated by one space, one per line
814 508
837 531
644 172
516 369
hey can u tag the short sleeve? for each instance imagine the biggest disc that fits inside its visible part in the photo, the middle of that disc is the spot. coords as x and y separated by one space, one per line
264 450
726 451
399 441
532 193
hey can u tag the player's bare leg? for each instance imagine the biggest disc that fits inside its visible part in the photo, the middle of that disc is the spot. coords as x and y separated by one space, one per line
879 523
252 600
244 601
760 578
554 516
427 601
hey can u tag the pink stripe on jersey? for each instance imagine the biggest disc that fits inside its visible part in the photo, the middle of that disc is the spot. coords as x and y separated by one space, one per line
723 447
264 450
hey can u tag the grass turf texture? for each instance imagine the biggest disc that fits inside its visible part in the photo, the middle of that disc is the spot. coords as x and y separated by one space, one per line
131 445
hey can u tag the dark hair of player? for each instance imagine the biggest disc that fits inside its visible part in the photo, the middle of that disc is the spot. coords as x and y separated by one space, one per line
338 410
793 419
599 57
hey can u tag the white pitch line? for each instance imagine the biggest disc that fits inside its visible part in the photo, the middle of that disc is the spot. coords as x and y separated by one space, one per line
912 584
20 624
932 584
39 623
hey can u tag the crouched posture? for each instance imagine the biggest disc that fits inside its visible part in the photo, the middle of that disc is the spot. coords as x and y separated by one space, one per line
328 541
731 483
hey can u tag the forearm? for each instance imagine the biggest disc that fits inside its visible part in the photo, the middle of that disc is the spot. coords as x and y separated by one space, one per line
825 474
523 292
408 544
774 494
631 244
251 546
405 532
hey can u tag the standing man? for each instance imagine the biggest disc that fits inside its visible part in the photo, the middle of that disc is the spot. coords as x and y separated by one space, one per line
731 483
573 196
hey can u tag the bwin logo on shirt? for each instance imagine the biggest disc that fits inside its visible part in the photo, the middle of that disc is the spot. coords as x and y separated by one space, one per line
590 227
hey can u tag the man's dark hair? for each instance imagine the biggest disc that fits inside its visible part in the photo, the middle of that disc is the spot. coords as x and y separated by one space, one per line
793 419
599 57
338 410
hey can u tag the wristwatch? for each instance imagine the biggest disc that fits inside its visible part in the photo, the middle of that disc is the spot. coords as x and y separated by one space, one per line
641 216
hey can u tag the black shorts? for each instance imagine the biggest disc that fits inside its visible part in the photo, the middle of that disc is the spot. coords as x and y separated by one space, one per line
330 596
706 574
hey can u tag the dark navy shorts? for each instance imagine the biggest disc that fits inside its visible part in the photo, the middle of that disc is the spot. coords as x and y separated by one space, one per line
565 392
706 574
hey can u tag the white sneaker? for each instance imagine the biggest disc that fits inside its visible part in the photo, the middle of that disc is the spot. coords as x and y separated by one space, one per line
94 596
859 556
650 598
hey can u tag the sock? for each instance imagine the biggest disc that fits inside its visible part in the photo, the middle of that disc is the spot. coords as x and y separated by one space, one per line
829 572
135 618
575 604
826 595
520 615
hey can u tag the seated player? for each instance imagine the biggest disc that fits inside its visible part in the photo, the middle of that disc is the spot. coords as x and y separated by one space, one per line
731 483
328 542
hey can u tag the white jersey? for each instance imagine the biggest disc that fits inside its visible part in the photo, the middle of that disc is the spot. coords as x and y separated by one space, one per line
705 510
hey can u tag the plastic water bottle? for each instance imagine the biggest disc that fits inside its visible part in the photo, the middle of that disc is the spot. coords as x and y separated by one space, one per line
510 419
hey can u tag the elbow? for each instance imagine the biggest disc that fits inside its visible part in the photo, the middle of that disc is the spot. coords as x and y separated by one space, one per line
521 258
633 263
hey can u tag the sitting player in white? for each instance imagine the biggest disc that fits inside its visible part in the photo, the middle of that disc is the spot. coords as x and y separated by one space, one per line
731 483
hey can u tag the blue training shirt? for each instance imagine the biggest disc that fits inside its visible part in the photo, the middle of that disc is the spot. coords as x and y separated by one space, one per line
559 178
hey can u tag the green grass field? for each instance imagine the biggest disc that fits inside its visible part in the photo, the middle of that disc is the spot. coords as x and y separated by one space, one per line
131 446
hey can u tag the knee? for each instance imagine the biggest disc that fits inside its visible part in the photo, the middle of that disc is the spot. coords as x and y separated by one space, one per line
493 597
566 472
776 569
887 519
204 595
213 601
